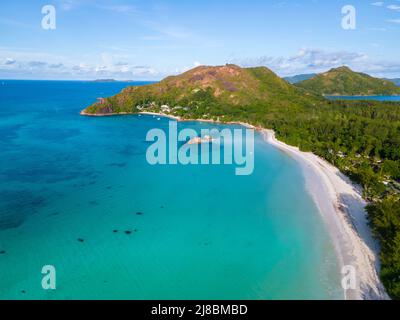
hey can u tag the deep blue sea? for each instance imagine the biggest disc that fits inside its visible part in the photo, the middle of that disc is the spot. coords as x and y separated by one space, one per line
77 193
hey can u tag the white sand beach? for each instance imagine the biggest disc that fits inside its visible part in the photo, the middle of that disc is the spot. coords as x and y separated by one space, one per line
343 209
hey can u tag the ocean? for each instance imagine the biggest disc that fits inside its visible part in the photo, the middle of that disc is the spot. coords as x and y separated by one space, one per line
77 193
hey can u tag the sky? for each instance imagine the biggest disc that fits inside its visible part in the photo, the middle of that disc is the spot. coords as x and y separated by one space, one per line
148 40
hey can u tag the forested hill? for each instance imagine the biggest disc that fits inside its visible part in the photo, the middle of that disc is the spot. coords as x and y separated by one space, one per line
361 138
227 88
345 82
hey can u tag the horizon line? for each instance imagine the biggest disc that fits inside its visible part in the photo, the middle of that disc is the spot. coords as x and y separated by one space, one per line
80 80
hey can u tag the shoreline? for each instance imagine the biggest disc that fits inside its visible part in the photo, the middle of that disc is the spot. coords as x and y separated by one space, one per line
341 206
163 115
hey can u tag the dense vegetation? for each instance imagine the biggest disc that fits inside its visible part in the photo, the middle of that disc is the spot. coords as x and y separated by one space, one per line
361 138
345 82
385 219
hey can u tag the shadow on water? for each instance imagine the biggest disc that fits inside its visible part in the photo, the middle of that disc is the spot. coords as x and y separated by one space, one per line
17 206
55 135
118 165
129 151
9 132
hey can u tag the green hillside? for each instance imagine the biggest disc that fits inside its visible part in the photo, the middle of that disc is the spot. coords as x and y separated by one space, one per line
345 82
220 90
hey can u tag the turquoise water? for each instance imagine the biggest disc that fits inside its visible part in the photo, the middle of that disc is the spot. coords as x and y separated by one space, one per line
201 231
377 98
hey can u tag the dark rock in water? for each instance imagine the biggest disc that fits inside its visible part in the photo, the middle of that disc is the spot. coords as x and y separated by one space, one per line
23 291
136 230
118 165
115 231
139 213
81 240
130 150
128 232
54 214
2 252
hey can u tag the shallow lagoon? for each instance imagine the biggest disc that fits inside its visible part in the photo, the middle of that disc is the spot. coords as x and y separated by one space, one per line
77 193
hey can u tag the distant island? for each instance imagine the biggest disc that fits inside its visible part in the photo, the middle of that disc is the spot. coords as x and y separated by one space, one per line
111 80
361 138
104 80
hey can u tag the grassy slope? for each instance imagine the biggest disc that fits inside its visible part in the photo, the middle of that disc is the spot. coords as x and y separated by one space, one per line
343 81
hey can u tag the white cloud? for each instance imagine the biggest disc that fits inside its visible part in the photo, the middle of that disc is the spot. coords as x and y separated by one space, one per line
124 9
172 32
9 61
56 65
107 65
15 23
166 30
306 60
316 60
377 4
394 7
68 5
378 29
37 64
122 64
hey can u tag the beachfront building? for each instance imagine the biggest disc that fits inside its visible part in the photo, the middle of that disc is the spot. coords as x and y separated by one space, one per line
165 109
